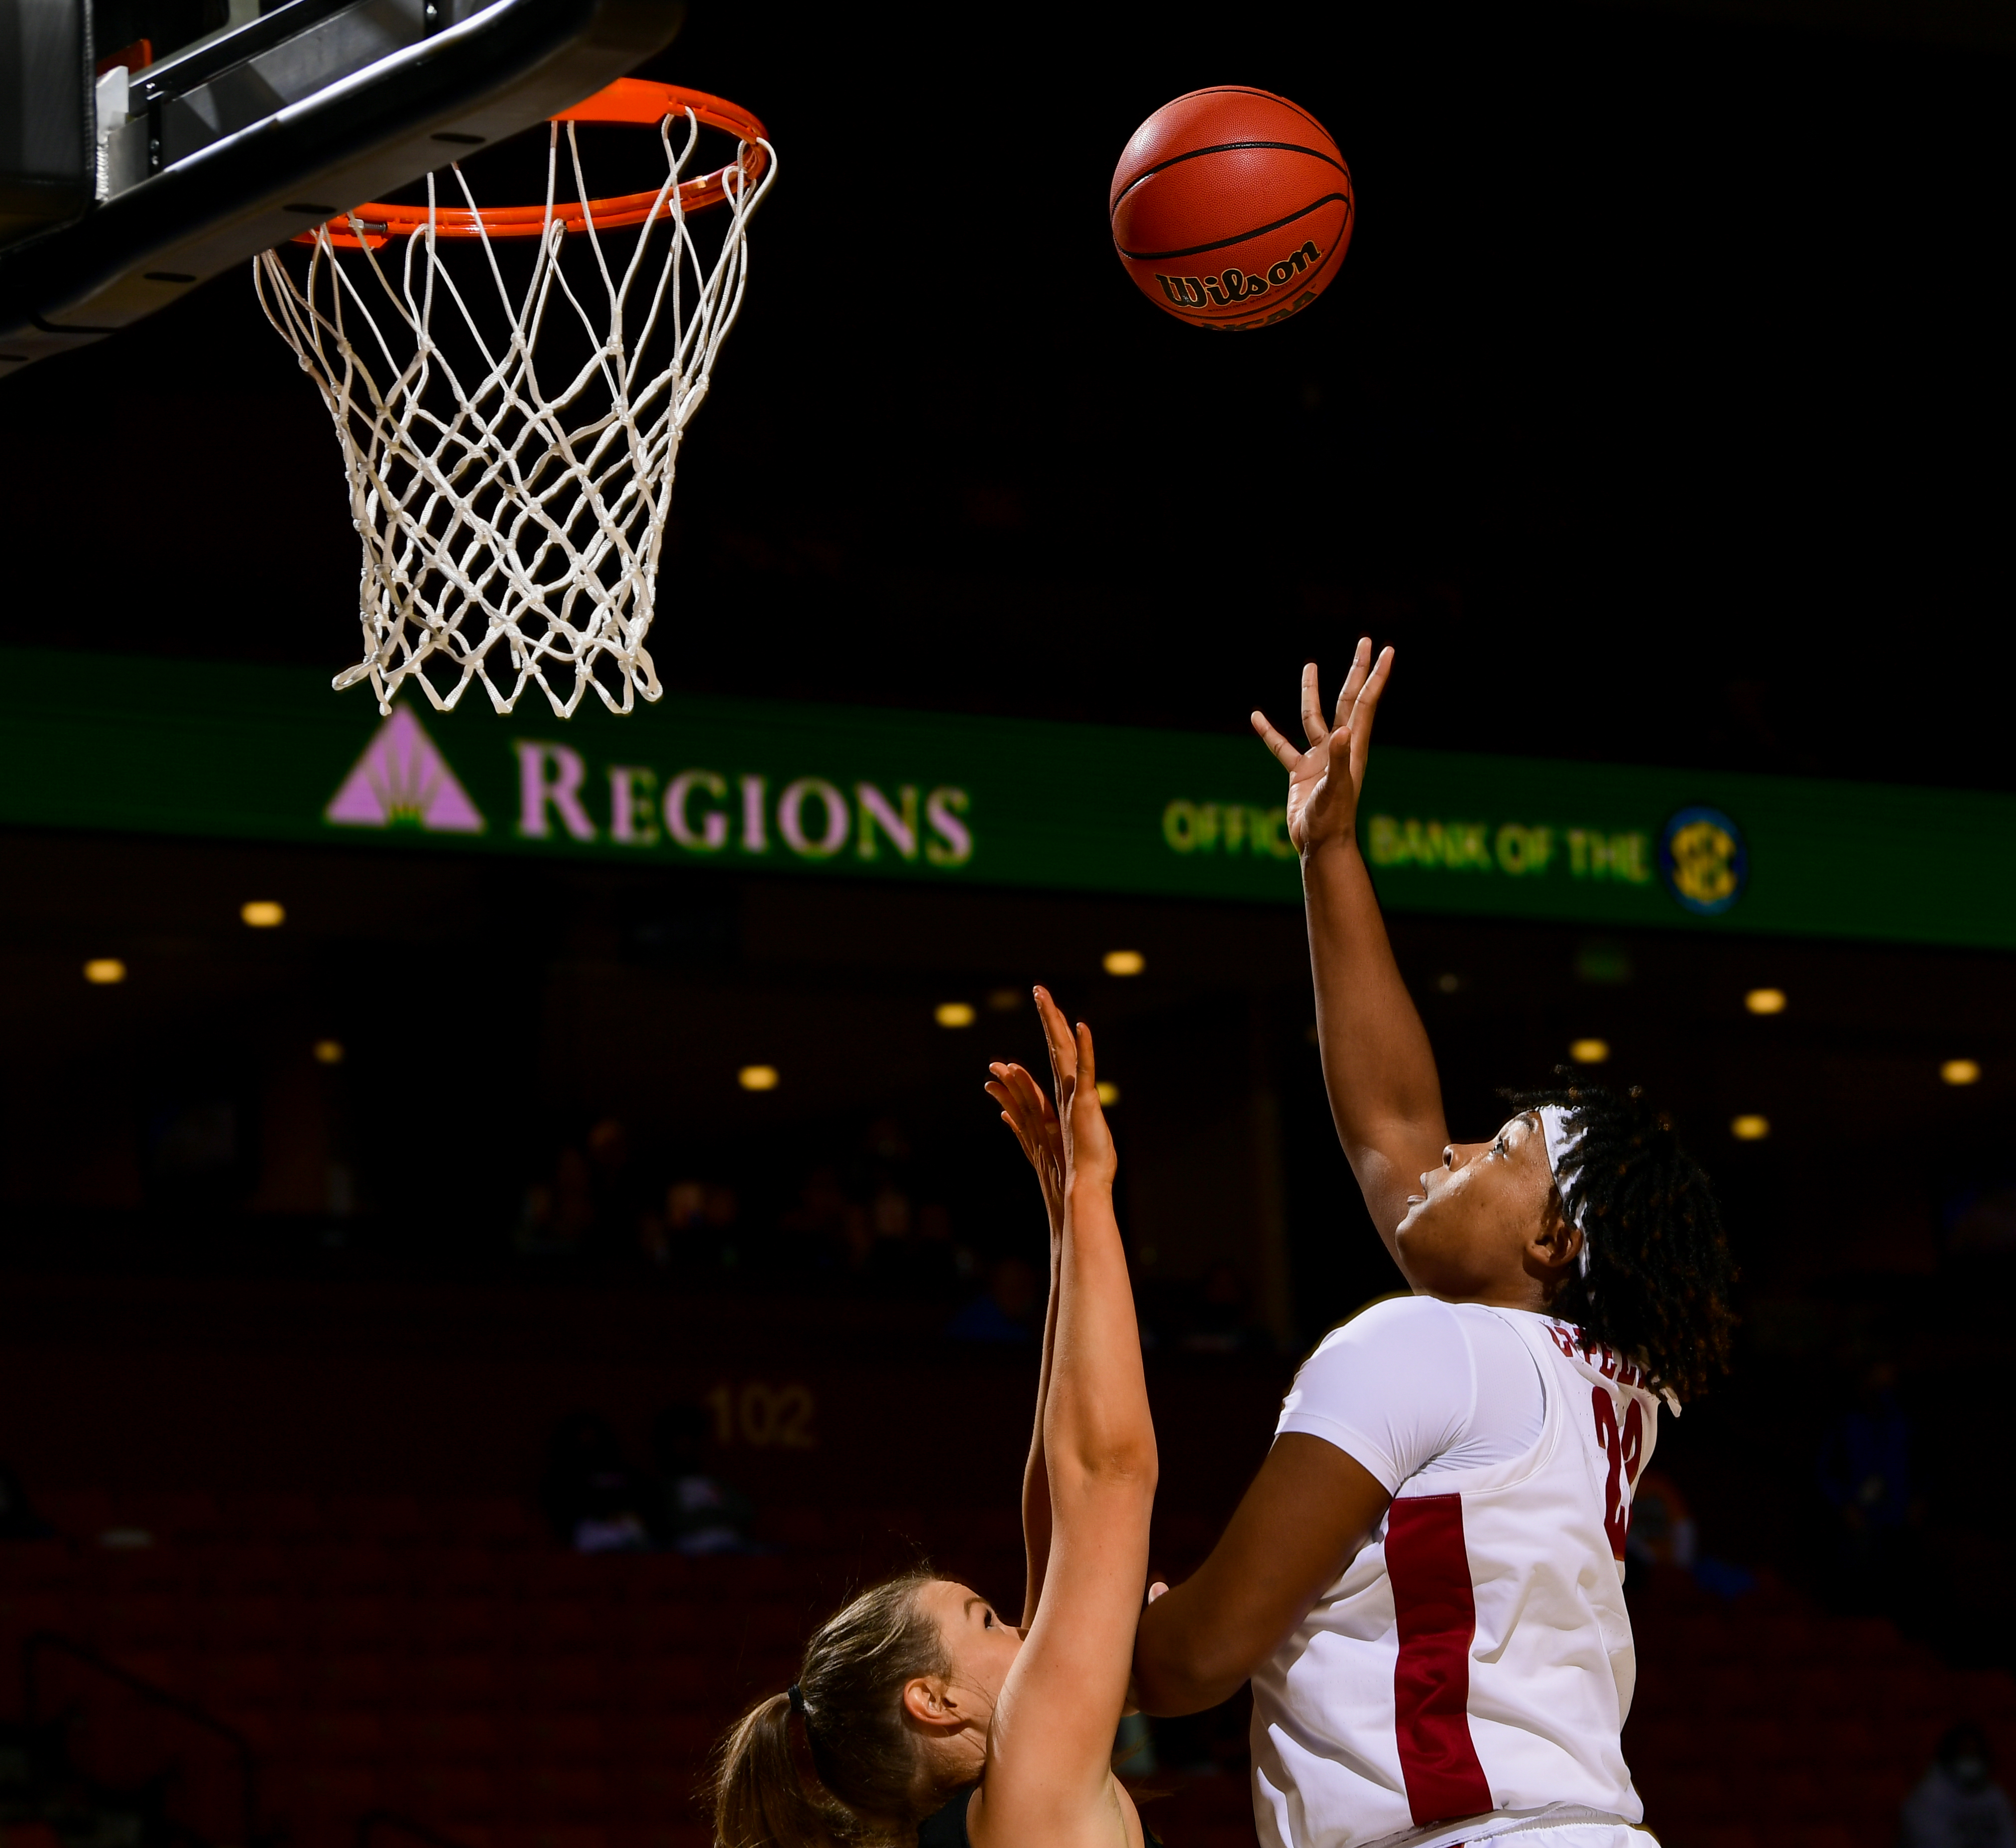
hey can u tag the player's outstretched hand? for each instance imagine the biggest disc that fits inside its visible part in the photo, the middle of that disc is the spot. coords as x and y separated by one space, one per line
1088 1151
1321 806
1027 1110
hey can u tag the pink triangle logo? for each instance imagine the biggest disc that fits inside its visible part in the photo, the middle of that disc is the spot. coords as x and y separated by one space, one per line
402 777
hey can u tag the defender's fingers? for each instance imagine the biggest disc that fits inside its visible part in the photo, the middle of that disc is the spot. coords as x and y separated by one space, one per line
1313 727
1056 1037
1291 758
1087 1069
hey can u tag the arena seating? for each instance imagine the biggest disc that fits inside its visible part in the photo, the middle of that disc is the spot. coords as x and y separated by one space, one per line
438 1659
1762 1720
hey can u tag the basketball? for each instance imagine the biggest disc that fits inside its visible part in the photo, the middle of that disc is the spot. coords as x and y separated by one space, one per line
1231 208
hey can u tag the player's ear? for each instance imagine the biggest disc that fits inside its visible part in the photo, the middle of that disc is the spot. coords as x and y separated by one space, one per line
925 1699
1556 1244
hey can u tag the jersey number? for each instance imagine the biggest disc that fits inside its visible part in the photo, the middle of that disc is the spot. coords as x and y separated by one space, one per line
1623 1449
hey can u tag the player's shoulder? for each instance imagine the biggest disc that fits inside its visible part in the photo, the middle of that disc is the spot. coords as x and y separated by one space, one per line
1401 1317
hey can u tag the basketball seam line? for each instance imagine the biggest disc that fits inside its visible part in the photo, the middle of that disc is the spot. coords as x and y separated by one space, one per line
1237 237
1210 321
1227 147
1254 90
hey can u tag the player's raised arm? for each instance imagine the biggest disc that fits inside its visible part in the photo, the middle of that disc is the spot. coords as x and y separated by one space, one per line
1383 1091
1048 1772
1029 1111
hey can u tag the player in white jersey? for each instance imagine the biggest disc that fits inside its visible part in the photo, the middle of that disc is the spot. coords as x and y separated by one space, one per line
1425 1581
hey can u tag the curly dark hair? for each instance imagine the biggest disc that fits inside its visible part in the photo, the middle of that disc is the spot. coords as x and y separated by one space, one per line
1660 1272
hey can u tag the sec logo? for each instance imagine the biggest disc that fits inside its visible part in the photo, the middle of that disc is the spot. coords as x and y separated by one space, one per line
1703 860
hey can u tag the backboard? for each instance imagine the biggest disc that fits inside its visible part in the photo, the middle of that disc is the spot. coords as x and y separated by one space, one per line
146 145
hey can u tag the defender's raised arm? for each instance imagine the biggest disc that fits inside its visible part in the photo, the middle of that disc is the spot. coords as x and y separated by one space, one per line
1381 1074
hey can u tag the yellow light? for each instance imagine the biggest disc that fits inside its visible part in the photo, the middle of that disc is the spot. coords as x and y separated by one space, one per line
329 1051
1004 1001
262 914
1589 1052
953 1013
757 1077
1766 1000
1124 963
1960 1071
1109 1094
1750 1127
101 972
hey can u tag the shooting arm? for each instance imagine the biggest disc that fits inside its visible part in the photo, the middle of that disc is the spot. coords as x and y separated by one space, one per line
1385 1094
1383 1091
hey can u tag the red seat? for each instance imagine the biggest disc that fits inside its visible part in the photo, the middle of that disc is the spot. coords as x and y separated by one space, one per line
449 1736
468 1791
556 1790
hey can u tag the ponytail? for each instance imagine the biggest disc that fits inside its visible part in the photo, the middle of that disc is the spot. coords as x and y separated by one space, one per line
761 1799
842 1770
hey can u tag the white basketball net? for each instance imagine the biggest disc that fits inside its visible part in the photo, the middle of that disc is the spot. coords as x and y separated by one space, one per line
492 509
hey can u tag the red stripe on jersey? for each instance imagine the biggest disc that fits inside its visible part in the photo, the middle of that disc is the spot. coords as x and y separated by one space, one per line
1429 1567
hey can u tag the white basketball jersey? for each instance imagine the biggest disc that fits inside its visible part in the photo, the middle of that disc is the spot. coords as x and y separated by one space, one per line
1471 1670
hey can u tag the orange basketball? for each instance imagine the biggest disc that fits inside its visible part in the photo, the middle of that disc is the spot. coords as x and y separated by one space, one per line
1231 208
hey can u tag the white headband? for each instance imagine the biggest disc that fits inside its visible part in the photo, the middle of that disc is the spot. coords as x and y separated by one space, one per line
1560 1139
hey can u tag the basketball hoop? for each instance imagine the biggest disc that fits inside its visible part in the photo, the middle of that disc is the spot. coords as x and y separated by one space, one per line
491 509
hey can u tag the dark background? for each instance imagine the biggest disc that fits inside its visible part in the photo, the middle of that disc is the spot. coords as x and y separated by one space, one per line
1658 412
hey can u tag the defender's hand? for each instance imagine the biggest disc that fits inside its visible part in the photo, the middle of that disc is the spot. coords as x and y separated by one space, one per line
1027 1111
1089 1151
1324 781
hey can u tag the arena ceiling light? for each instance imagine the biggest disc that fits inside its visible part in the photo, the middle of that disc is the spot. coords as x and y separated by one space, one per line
1750 1127
329 1051
1960 1071
1124 962
953 1013
1590 1051
263 914
757 1077
102 972
1766 1000
1109 1093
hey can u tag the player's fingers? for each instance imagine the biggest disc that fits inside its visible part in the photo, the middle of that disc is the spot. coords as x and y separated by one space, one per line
1291 759
1313 727
1368 710
1354 682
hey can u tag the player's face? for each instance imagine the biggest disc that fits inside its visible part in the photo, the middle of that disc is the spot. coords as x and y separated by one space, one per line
981 1644
1470 1233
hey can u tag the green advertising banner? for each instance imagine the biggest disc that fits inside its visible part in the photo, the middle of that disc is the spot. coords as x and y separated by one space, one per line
270 753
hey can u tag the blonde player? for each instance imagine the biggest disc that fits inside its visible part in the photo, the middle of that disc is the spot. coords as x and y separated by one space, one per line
918 1706
1425 1581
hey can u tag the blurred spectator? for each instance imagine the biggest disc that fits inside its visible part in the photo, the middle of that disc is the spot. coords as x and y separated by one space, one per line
18 1518
937 1264
699 1226
1957 1804
594 1501
700 1513
573 1199
1662 1531
1011 1309
815 1229
619 1203
1865 1473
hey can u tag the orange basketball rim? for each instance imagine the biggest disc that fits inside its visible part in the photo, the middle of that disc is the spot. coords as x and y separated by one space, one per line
629 100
